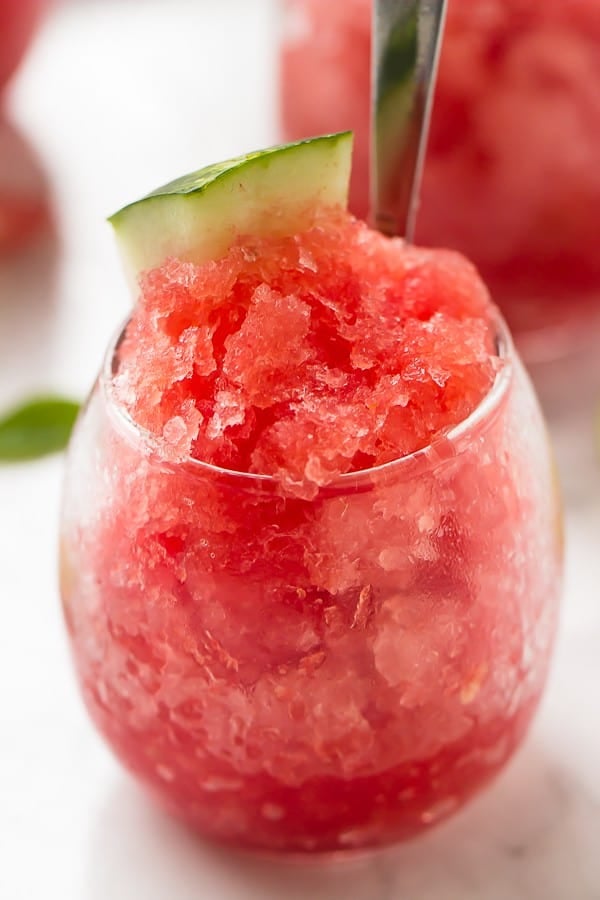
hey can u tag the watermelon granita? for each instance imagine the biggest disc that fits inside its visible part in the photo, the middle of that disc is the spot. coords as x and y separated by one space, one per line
18 21
23 202
512 176
310 556
23 190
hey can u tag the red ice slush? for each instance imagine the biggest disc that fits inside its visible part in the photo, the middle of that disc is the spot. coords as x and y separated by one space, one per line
310 563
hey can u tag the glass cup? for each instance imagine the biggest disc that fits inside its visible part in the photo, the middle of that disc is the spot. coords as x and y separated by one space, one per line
305 676
512 177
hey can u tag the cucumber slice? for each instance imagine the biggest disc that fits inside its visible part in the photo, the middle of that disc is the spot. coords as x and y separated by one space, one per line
196 218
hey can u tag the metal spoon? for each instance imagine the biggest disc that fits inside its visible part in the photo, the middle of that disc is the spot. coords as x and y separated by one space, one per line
406 43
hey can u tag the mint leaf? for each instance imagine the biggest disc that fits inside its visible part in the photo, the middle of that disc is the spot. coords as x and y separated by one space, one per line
40 426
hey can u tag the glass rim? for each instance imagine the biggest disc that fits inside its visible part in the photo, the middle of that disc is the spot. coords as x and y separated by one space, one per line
432 454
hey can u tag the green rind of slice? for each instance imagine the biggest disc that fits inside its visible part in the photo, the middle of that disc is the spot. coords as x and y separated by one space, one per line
270 192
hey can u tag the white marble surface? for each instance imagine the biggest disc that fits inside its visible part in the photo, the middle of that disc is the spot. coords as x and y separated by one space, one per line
117 97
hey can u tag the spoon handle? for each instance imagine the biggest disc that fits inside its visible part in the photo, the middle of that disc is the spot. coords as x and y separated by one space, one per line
406 43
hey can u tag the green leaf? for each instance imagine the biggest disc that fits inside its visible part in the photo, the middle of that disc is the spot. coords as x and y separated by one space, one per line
40 426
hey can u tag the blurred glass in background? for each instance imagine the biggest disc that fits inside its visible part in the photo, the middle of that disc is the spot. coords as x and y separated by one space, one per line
22 185
512 177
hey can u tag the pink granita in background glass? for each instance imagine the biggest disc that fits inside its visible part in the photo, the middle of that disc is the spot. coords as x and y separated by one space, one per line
23 203
23 190
18 21
512 176
310 545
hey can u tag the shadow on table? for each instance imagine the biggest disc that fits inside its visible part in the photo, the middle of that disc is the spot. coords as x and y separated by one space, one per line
525 838
28 265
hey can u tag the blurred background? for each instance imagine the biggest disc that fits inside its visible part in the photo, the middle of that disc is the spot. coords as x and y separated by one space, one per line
102 100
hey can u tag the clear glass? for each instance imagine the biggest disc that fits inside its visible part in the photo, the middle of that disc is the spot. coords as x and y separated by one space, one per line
314 676
512 177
